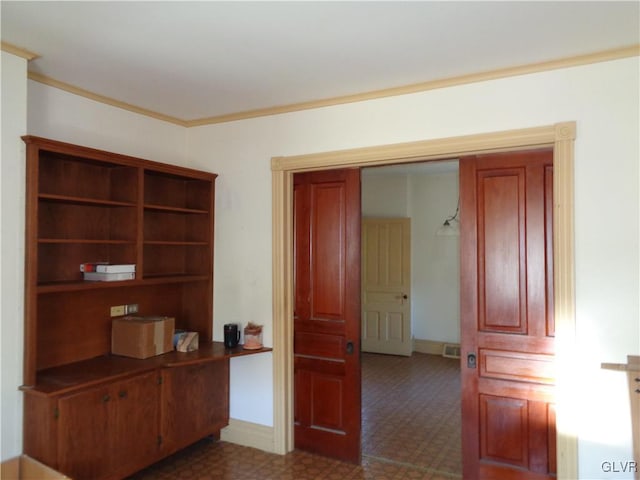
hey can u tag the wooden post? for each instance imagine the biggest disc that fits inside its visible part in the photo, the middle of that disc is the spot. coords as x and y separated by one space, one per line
632 367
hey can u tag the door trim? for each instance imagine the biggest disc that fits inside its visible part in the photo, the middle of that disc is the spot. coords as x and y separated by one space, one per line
560 136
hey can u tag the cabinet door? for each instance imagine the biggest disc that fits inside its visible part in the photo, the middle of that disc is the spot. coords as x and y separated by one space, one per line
109 431
135 431
195 402
84 420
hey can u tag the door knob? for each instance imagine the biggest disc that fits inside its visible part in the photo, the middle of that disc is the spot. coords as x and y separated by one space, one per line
350 348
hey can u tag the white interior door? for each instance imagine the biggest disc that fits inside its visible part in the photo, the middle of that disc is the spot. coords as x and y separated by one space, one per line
386 284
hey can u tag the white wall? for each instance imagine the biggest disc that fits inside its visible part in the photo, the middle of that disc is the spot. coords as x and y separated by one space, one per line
435 274
12 196
603 99
59 115
384 195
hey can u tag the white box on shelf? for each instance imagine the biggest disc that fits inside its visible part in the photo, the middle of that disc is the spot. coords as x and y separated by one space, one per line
108 277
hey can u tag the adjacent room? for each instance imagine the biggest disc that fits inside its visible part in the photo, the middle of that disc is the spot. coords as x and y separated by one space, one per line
410 381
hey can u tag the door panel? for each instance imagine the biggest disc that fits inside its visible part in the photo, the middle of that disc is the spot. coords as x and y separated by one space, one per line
327 313
510 365
507 315
328 250
319 345
501 267
503 429
386 283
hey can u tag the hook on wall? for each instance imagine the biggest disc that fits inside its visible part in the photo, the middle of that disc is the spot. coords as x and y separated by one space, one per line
450 227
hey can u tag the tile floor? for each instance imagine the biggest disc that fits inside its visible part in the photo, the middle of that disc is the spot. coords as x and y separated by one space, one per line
411 411
411 430
210 460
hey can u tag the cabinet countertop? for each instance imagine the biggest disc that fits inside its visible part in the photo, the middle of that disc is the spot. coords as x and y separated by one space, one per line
108 368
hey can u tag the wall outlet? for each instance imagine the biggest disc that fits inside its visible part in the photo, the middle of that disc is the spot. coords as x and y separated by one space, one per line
117 310
131 308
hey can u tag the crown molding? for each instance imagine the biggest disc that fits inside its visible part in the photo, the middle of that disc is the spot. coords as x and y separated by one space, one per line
597 57
67 87
18 51
603 56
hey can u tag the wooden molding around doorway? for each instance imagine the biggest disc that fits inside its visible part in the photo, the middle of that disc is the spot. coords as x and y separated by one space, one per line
560 136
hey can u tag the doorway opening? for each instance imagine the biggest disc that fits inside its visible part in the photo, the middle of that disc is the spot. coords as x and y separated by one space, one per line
560 137
411 394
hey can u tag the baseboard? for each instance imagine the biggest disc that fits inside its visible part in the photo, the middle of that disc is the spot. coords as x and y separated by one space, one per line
248 434
428 346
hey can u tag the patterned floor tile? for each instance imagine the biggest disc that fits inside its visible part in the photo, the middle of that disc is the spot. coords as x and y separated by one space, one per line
410 431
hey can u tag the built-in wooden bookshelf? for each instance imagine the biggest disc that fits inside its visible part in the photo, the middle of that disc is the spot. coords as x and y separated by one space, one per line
88 413
88 205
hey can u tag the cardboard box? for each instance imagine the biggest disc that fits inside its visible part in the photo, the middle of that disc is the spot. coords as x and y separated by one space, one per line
142 337
26 468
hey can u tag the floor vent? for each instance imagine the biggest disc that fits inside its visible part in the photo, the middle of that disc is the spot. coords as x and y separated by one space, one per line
451 350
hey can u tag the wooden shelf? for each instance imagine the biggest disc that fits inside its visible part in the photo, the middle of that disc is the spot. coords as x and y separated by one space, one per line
57 287
173 278
632 365
163 208
83 201
72 286
87 241
173 243
108 368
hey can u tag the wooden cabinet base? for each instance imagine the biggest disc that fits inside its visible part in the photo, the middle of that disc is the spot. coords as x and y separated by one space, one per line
111 430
